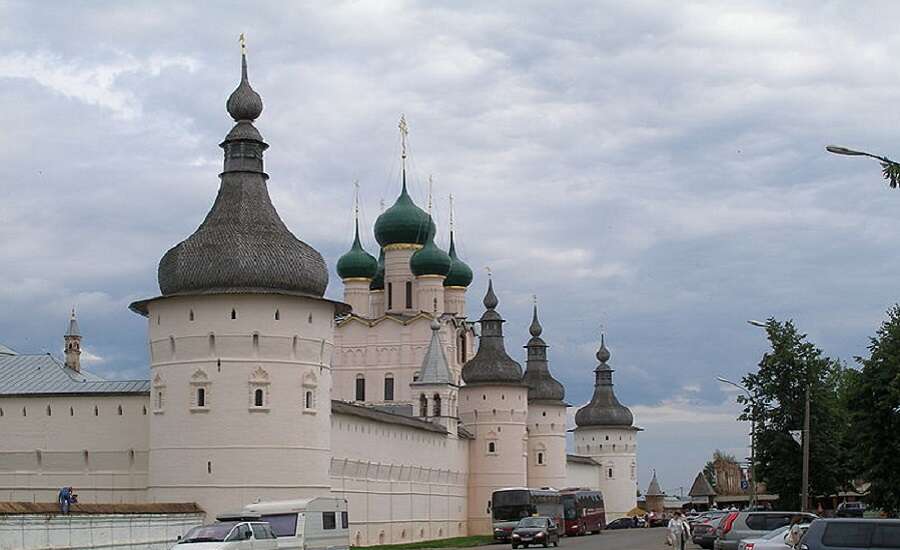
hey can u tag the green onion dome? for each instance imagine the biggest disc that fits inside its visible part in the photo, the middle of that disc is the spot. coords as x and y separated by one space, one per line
378 280
460 273
357 263
403 223
430 259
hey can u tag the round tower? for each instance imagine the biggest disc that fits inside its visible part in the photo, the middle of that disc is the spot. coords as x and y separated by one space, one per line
605 432
546 415
240 346
493 406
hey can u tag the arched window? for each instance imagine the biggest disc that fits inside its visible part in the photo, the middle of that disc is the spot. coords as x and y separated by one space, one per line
277 315
492 447
360 387
119 410
201 397
208 466
423 406
609 473
437 405
233 314
49 412
191 315
96 410
388 387
540 458
258 398
462 347
308 400
24 411
159 400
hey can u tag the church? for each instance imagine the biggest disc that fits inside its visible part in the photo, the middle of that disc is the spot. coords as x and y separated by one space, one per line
260 388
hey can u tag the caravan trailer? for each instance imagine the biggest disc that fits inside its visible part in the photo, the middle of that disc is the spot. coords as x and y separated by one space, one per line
319 523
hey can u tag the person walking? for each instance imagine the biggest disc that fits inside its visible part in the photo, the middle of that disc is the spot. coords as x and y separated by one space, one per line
679 531
65 499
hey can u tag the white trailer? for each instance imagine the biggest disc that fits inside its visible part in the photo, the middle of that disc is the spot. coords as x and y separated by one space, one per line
319 523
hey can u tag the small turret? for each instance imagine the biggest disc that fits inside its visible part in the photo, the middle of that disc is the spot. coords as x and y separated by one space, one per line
491 364
604 408
72 340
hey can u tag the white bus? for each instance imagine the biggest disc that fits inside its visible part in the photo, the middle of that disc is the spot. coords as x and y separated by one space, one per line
309 524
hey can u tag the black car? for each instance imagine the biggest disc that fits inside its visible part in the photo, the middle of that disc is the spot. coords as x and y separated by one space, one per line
535 530
850 510
621 523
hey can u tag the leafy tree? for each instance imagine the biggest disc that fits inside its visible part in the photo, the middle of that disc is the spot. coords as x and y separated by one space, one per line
779 387
874 403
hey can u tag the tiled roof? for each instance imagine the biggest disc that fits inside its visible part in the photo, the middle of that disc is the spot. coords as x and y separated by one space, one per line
19 508
44 375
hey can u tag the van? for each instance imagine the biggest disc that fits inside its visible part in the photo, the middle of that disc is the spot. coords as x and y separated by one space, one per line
852 534
319 523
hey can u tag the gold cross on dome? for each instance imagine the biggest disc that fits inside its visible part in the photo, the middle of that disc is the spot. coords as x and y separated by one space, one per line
243 44
404 131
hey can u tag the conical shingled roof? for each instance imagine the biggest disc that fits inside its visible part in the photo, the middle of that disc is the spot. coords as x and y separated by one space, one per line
604 408
701 487
435 369
541 384
653 490
242 245
73 329
491 364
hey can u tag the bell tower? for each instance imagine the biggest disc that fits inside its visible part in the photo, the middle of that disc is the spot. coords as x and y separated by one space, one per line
72 340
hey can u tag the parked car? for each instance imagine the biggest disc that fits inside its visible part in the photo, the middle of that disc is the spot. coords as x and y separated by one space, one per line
621 523
850 510
746 525
851 534
535 530
319 523
703 531
774 540
229 533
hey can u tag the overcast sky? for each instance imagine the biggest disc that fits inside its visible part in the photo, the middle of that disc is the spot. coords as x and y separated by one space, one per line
656 168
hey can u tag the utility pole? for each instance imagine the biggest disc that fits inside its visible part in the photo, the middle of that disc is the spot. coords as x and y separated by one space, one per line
804 503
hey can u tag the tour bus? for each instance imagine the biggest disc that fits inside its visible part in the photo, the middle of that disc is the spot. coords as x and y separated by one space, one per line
510 505
308 524
583 511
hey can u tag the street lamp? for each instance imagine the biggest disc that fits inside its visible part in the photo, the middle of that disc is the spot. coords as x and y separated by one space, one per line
889 168
752 436
804 499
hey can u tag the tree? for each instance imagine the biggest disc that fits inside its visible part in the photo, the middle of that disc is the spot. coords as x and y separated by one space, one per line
874 406
779 387
709 470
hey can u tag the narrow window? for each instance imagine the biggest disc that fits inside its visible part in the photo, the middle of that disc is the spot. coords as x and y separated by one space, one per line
492 447
233 314
96 411
208 466
191 315
277 315
409 295
329 521
309 399
119 410
462 348
309 318
390 296
388 388
219 365
609 473
360 388
345 522
258 398
423 406
159 400
49 412
540 458
201 397
24 412
256 343
144 411
437 405
1 411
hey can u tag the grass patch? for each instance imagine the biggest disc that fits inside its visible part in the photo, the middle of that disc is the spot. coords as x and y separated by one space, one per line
457 542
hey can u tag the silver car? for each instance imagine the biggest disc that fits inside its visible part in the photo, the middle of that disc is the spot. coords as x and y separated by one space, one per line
748 525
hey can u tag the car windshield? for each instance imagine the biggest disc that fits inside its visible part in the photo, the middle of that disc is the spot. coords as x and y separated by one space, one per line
772 535
533 522
209 533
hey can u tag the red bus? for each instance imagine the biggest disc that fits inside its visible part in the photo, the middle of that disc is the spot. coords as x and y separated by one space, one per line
508 506
583 511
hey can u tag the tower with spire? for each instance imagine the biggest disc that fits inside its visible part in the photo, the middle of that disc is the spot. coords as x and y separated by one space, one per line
546 414
493 407
656 498
240 336
437 392
605 431
357 268
72 340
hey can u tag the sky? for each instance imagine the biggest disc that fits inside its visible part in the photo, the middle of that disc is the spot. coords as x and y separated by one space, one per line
652 169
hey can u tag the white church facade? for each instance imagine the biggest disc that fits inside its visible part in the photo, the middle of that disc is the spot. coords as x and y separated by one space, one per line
260 388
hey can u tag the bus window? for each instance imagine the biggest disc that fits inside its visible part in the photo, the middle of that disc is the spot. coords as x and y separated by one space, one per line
329 521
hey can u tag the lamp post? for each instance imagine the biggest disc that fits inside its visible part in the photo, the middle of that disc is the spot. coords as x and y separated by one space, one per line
889 168
752 436
804 495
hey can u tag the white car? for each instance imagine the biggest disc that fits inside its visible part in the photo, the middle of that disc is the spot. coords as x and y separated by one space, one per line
773 540
229 534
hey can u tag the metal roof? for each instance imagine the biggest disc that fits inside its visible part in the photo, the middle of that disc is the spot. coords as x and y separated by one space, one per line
4 350
44 375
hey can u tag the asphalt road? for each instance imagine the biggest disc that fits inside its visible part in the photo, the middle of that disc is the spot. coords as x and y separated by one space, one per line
620 539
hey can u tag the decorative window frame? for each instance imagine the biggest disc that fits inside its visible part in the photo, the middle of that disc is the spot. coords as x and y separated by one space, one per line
540 455
200 380
489 440
310 383
259 380
158 397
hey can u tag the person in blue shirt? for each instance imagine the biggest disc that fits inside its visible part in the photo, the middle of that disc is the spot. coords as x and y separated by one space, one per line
65 499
